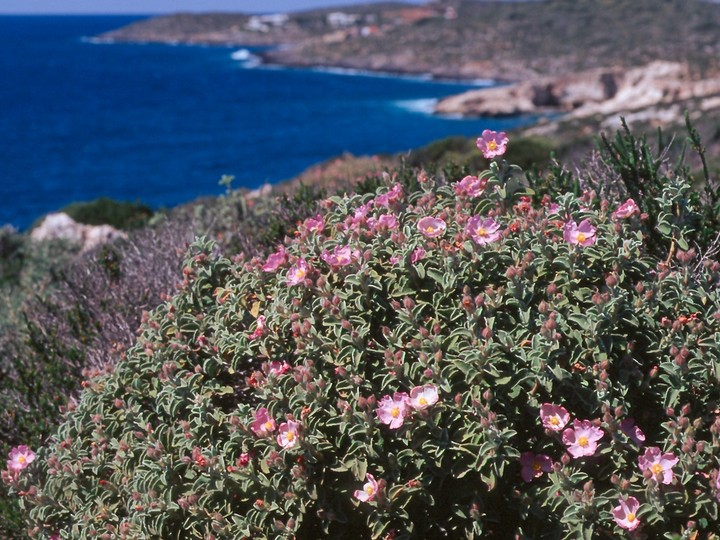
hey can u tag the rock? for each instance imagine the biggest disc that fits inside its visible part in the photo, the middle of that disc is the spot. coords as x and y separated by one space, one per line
60 226
604 92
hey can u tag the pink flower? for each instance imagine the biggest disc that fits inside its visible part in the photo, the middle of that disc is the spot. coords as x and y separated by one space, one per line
470 186
717 486
625 515
554 208
492 144
422 397
275 261
658 464
534 465
20 457
340 256
583 234
259 328
243 460
626 209
417 255
263 425
276 368
369 490
361 211
582 439
431 227
633 432
483 231
297 273
315 224
386 222
554 417
288 434
392 196
393 410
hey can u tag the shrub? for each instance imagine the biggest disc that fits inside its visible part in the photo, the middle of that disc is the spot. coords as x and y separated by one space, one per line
67 313
104 211
453 361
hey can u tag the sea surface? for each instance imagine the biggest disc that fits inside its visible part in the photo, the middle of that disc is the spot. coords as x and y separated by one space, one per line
161 124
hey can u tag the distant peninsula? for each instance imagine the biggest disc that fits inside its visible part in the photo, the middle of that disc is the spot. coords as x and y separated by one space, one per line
543 47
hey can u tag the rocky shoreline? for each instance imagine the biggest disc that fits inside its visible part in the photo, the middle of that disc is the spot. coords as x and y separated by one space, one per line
563 58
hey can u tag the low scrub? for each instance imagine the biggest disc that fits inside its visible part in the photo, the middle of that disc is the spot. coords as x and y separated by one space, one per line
453 360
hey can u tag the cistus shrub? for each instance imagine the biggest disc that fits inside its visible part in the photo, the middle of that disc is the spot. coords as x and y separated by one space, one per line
448 362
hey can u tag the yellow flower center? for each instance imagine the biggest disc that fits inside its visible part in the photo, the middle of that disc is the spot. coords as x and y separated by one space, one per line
630 517
422 401
537 466
369 489
22 460
581 237
395 412
554 420
268 425
300 273
657 468
481 231
430 229
583 441
492 145
290 436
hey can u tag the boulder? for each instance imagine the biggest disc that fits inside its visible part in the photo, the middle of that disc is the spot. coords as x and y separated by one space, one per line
60 226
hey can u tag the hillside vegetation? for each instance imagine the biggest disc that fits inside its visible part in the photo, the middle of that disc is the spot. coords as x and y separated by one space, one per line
446 352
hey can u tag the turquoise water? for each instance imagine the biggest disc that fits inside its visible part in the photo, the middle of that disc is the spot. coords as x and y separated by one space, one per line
161 124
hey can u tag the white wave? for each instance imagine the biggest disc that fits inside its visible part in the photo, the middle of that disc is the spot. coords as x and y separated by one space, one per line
423 106
95 40
246 58
369 73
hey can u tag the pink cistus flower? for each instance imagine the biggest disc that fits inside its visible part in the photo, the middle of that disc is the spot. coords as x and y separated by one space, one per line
625 515
582 439
470 186
277 368
259 328
633 432
369 490
659 464
392 196
315 224
492 143
20 457
393 410
275 260
417 255
533 465
340 256
579 235
422 397
288 434
626 210
386 222
297 273
483 230
263 425
554 417
431 227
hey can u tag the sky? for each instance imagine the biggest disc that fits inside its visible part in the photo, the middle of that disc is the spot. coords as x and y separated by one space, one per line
165 6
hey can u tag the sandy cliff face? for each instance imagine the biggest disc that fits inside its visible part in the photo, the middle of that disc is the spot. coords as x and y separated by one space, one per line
604 92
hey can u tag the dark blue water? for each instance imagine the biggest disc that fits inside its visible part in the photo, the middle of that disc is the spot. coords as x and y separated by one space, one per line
161 124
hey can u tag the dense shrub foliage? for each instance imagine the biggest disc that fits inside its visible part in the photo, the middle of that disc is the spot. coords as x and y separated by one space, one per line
65 313
446 362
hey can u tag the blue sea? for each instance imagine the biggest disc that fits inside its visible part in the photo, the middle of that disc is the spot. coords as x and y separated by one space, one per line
161 124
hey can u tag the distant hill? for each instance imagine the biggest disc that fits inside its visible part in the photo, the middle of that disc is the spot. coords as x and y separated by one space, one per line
466 38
